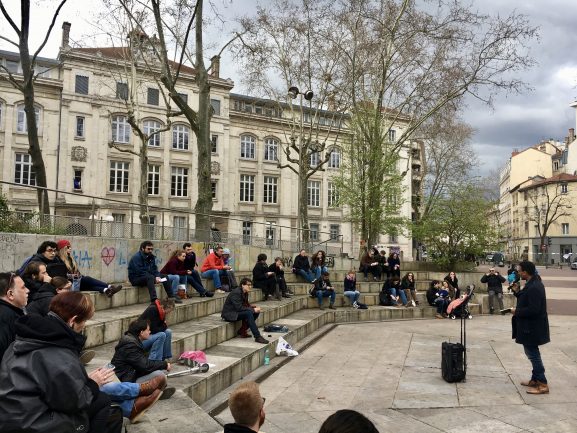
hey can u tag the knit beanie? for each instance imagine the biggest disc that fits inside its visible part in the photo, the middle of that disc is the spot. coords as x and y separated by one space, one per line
62 244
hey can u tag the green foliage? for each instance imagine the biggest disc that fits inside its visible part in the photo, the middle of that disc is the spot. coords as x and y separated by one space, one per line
369 182
457 228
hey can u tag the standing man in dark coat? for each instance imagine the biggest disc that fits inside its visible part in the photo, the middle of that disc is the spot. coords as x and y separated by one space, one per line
13 299
494 282
531 324
236 307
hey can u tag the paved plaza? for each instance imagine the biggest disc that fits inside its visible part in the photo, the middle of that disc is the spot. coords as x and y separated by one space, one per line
390 371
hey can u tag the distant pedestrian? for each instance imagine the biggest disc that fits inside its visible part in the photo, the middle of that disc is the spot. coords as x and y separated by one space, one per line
531 324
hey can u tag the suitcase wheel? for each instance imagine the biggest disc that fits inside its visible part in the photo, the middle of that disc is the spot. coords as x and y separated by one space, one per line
453 317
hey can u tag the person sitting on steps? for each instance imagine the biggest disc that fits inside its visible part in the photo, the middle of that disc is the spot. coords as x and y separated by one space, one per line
36 279
159 343
408 286
370 264
263 278
350 290
393 287
213 268
302 267
175 268
324 289
318 265
143 271
41 302
192 276
278 268
236 307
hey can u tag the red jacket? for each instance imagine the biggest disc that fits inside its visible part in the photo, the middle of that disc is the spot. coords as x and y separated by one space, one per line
212 262
174 267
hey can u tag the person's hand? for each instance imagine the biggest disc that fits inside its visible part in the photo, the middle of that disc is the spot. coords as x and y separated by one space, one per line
227 268
168 366
270 274
256 309
189 272
47 278
102 375
157 279
513 311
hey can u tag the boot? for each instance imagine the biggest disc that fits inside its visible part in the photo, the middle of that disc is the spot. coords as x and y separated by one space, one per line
112 289
332 307
260 339
531 383
148 387
142 404
540 388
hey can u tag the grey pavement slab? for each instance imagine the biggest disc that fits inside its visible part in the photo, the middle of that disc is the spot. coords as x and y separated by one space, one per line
390 371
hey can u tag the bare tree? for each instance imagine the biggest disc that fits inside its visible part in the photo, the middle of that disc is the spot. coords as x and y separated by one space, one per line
25 84
549 202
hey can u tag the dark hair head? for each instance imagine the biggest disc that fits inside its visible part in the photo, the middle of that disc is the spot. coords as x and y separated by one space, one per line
167 304
45 245
69 304
137 326
395 279
245 403
324 273
6 282
528 267
245 280
59 282
32 270
276 259
145 244
186 245
348 421
434 283
261 257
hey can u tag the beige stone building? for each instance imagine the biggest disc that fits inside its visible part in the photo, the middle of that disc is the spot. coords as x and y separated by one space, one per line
83 103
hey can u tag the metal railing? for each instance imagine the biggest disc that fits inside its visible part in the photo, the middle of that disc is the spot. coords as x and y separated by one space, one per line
92 226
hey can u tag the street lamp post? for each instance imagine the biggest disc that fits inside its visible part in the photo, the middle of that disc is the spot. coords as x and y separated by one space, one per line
301 148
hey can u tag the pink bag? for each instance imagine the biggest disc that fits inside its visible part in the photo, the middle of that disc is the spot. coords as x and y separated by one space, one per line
192 356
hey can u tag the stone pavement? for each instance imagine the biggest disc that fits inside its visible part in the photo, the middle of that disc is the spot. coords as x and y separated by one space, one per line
390 371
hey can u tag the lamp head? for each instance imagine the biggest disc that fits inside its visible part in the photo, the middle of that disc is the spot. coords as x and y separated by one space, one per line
293 91
309 95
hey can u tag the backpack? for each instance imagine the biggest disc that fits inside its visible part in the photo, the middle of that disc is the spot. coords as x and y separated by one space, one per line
385 298
22 268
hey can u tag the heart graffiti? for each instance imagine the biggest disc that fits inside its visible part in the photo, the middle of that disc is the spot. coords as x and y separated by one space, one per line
107 254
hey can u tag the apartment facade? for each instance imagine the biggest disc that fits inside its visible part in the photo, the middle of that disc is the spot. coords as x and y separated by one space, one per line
88 145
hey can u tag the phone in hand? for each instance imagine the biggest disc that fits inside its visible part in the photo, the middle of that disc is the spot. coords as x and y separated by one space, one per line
162 280
109 366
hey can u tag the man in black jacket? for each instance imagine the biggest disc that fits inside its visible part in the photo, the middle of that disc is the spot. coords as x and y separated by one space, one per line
494 282
247 408
13 299
236 307
302 266
263 278
531 325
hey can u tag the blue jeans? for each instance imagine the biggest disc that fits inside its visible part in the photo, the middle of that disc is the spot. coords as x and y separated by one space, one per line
400 293
122 393
353 295
194 280
249 316
534 356
326 294
442 305
159 345
317 271
307 275
173 281
214 275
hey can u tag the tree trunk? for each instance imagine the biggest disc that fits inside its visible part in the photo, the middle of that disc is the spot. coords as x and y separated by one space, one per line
304 234
146 229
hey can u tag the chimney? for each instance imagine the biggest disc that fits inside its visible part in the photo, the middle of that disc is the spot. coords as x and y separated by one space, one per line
65 35
515 152
571 134
215 66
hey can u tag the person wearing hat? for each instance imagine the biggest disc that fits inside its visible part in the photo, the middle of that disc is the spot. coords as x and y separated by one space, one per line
79 281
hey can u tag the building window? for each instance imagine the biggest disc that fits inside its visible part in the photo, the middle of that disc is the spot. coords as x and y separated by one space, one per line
77 181
246 232
149 127
246 188
314 231
314 159
564 188
122 91
23 170
152 96
335 158
392 135
153 179
270 149
179 228
556 165
81 85
247 146
179 182
12 66
565 228
213 186
270 189
184 97
119 176
393 238
335 231
215 104
80 124
22 125
270 233
1 113
333 195
214 143
180 137
118 224
314 193
120 129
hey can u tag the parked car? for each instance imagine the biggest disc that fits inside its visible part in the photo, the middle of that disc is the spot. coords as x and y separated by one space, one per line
497 258
574 265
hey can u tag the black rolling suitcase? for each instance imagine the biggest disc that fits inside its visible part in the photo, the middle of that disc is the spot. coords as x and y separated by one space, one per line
454 357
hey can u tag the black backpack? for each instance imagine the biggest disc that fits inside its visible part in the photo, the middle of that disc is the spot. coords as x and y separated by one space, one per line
385 298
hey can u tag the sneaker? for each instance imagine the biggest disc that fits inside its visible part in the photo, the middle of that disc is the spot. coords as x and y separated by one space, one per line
167 393
413 303
86 356
260 339
112 289
219 291
355 305
142 404
438 316
208 294
287 295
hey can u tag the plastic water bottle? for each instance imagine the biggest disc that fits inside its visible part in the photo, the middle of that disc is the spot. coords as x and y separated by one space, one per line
266 357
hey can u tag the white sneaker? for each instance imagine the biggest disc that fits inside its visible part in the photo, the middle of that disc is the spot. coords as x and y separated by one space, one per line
355 305
414 304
